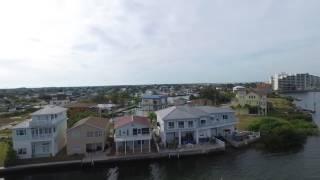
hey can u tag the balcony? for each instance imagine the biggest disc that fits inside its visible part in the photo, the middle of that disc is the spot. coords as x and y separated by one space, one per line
42 136
37 123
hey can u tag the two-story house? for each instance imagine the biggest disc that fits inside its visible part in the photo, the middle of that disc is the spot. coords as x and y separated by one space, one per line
132 134
254 100
194 124
152 102
43 135
88 135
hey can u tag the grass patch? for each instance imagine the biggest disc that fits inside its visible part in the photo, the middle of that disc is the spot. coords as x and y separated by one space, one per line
245 121
285 128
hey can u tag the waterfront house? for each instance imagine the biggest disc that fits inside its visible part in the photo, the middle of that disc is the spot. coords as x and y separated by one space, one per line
43 135
87 135
132 134
181 125
251 101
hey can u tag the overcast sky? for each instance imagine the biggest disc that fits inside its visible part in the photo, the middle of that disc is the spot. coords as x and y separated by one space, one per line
88 42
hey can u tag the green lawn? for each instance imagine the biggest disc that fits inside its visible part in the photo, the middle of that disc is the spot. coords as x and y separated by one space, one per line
3 152
281 103
246 120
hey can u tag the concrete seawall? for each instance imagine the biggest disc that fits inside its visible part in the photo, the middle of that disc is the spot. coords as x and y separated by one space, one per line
109 159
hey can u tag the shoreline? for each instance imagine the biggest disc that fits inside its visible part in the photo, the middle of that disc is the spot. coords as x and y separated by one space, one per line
112 159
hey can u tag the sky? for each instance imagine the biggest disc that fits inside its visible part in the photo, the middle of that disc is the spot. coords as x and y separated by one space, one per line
113 42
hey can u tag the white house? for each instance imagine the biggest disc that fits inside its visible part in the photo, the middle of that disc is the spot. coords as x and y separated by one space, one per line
42 136
132 134
194 124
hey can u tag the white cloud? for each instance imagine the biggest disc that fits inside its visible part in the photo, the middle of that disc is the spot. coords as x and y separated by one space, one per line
94 42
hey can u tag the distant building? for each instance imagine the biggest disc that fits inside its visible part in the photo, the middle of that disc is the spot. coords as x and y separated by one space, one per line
87 135
294 82
42 136
255 100
194 124
153 102
238 88
59 100
132 134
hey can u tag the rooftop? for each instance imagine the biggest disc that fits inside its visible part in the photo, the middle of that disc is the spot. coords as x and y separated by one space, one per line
93 121
189 112
51 109
148 96
125 120
24 124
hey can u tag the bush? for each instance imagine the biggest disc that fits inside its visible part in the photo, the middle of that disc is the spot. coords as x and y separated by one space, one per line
281 135
11 155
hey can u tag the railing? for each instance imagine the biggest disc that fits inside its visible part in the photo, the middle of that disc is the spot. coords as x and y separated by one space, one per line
44 122
43 136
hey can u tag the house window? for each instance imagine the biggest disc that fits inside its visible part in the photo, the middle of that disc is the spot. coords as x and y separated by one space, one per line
203 122
170 125
190 124
225 116
21 132
145 130
134 131
96 134
181 124
22 151
139 131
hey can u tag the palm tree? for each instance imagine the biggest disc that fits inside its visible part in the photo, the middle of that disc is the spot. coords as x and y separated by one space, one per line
153 119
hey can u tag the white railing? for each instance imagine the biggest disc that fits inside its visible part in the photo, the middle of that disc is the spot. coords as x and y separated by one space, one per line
42 136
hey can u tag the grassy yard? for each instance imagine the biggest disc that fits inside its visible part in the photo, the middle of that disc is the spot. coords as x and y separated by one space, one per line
245 121
284 128
281 103
4 146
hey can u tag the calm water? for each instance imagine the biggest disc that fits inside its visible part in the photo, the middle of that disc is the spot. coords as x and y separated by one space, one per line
245 164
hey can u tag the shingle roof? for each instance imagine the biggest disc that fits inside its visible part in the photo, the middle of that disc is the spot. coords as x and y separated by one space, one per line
125 120
50 109
190 112
153 96
93 121
23 124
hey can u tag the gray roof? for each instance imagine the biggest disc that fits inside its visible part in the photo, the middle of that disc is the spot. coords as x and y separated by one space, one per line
190 112
50 110
24 124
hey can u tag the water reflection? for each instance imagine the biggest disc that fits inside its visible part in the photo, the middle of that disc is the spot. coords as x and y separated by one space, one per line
113 173
155 172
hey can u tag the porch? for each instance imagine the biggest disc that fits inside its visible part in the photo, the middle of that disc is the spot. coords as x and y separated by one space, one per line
133 145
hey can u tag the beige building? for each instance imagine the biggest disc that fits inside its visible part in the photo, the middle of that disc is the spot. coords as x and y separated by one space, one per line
87 135
254 100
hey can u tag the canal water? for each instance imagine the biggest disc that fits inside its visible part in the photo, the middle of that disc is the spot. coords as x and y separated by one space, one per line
245 164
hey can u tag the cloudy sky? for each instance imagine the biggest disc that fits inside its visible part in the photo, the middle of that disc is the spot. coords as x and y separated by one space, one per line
106 42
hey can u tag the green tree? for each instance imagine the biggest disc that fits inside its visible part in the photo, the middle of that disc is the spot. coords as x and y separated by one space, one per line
153 119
